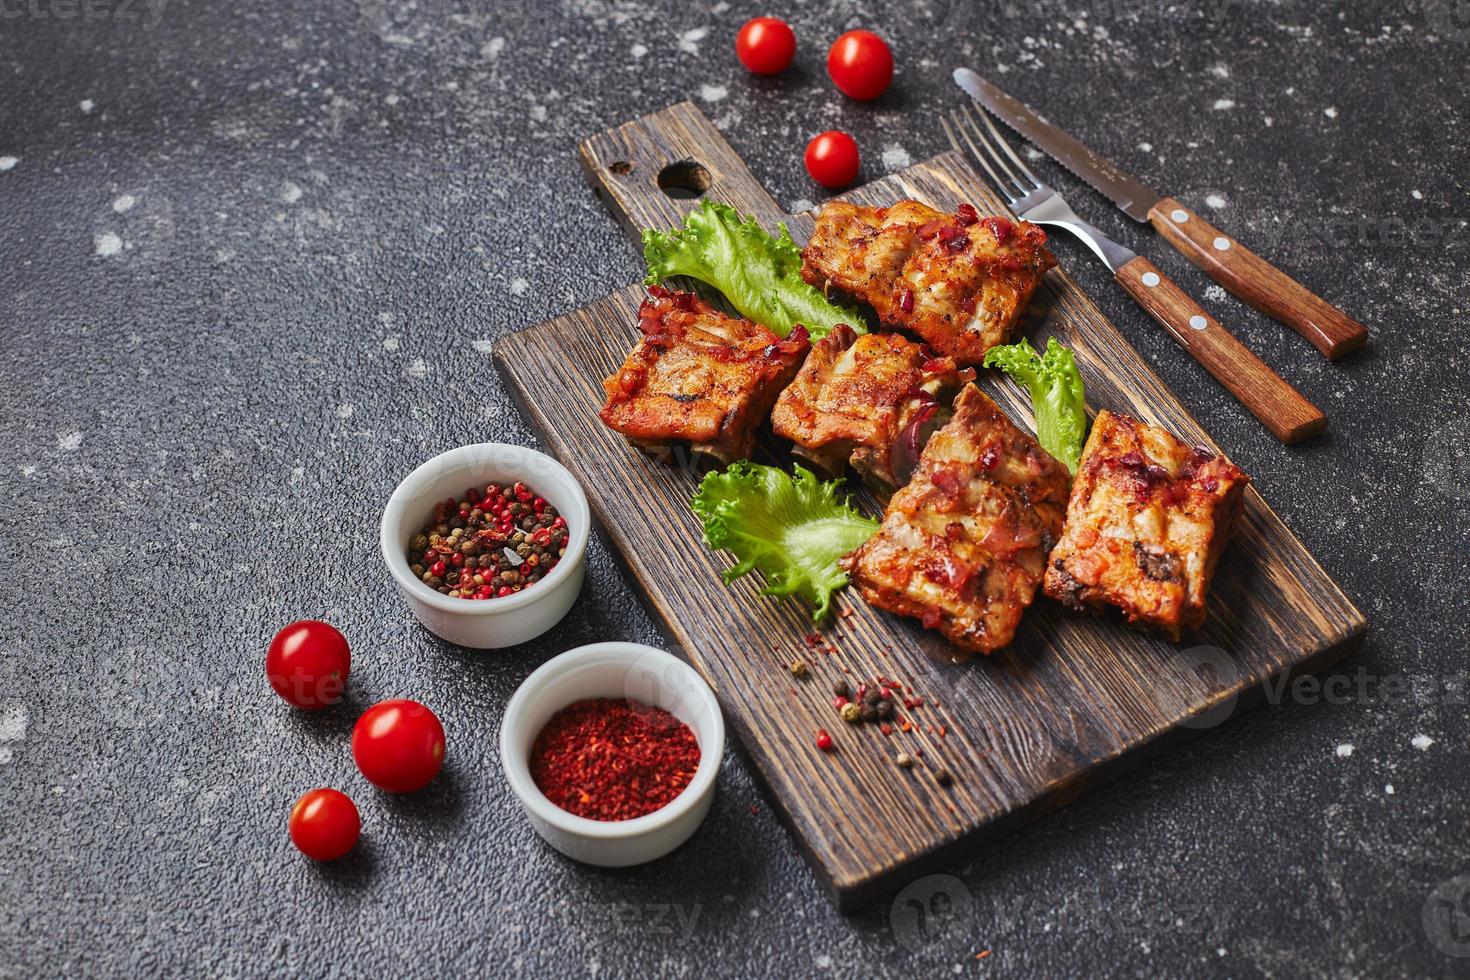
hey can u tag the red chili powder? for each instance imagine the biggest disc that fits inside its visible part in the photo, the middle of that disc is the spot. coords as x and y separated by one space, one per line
613 758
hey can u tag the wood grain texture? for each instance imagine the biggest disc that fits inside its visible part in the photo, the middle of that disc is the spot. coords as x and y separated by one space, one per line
1264 393
1245 274
1072 702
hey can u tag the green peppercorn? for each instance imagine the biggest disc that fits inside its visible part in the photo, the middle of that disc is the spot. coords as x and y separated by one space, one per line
850 713
798 668
904 760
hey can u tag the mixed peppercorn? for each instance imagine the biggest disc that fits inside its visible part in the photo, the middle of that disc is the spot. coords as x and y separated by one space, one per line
492 543
613 759
873 703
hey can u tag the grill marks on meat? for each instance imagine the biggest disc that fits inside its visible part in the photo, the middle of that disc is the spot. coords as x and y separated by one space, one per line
871 400
962 548
959 282
1146 522
699 376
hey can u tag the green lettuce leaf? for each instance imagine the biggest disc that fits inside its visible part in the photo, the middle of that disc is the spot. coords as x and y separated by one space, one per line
1056 391
760 274
793 529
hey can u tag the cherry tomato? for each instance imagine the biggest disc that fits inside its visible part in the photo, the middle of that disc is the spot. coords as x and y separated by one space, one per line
765 45
832 159
860 64
324 824
307 664
398 745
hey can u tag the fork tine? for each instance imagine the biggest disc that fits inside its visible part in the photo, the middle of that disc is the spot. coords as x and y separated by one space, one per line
980 156
990 125
971 126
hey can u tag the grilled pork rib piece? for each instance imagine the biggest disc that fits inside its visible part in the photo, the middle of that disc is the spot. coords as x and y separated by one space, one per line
699 376
958 281
872 400
1146 523
963 546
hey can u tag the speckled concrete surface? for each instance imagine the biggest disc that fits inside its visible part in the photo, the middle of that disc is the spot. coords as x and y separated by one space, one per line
252 261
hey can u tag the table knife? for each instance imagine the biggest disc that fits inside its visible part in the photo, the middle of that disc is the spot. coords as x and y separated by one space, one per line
1236 268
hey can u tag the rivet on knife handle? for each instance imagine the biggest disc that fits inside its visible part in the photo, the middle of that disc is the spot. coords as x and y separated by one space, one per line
1258 282
1279 406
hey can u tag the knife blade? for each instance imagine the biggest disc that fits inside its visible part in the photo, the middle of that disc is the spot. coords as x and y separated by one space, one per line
1239 270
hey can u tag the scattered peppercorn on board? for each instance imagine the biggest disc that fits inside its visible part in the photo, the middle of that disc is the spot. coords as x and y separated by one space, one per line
1073 702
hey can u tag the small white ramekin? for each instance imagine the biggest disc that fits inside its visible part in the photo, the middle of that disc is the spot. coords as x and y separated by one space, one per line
613 670
487 623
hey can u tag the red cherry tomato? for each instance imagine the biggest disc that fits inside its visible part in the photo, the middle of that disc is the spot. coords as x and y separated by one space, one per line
860 64
324 824
307 664
832 159
765 45
398 745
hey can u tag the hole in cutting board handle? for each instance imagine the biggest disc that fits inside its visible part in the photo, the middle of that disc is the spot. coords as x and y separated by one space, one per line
684 180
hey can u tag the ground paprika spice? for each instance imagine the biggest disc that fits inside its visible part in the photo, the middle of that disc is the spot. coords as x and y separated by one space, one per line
613 758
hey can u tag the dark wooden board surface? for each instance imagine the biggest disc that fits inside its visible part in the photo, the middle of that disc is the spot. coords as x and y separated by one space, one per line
1072 702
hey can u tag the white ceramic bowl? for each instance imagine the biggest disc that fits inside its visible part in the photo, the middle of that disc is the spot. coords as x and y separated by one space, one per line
487 623
613 670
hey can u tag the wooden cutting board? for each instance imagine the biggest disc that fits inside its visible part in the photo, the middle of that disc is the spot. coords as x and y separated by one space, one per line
1073 702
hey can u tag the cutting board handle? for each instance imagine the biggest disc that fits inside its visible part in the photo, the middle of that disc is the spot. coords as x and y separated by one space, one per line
655 169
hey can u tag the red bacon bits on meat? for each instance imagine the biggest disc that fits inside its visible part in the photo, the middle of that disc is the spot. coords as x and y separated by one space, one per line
1000 228
966 214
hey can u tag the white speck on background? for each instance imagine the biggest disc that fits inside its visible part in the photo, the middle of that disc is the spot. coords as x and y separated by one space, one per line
390 343
824 962
344 411
1344 750
1220 952
483 346
1146 147
8 163
298 473
1215 201
638 51
519 286
391 98
107 243
895 157
1223 104
1214 293
1330 112
713 93
493 47
538 113
13 721
87 105
124 203
5 756
69 440
418 369
27 470
1220 71
290 191
1388 790
689 40
1416 195
801 204
1268 121
1421 742
223 255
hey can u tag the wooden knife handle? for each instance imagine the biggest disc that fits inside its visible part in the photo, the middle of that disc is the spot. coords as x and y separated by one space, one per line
1258 282
1279 406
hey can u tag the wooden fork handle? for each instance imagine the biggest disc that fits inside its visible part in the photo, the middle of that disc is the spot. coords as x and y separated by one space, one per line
1279 406
1258 282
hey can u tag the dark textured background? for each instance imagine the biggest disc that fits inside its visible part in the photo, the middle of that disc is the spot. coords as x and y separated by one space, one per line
250 262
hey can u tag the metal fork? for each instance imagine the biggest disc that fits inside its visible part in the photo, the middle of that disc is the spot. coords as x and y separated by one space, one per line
1279 406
